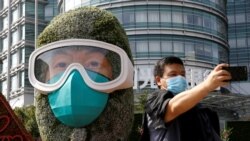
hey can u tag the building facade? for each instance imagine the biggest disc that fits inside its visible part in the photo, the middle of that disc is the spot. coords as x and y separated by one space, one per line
238 14
194 30
17 36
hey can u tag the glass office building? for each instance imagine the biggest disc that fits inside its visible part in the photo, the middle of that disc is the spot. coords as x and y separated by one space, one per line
17 35
238 14
194 30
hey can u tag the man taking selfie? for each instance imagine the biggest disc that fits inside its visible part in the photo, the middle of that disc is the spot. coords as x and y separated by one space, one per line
174 113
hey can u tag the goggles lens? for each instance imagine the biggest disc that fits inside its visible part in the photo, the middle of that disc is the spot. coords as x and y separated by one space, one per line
54 63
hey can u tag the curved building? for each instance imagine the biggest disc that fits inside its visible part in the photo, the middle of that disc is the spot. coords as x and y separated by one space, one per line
238 13
194 30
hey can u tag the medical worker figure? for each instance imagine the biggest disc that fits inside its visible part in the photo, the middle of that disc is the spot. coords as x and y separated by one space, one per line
83 75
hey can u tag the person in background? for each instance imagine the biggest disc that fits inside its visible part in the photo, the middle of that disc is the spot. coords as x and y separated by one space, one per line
173 113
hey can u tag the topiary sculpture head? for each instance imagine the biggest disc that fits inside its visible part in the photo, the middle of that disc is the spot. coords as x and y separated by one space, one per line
115 121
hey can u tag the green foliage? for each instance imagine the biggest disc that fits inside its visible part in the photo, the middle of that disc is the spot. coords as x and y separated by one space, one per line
140 101
135 134
115 122
143 99
27 117
225 133
138 116
240 130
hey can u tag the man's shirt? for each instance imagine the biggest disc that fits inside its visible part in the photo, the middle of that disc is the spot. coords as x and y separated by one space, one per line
197 124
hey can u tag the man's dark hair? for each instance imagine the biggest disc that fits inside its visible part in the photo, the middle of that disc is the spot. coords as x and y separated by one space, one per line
159 66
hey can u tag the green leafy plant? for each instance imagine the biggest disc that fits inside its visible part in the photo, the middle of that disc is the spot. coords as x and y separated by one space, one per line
225 133
141 101
27 117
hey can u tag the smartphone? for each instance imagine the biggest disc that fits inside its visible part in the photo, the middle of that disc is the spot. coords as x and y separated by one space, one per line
238 73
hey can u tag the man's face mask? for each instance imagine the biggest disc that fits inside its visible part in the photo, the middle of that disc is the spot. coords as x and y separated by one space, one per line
176 84
77 75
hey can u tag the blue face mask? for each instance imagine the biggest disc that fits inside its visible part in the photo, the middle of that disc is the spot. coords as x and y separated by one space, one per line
75 104
176 84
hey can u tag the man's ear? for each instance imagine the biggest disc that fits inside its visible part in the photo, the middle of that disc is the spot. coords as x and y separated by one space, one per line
158 80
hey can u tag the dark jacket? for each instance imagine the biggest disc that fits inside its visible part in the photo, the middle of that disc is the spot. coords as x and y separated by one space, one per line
197 124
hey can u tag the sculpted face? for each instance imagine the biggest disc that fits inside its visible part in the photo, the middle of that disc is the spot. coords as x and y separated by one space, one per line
91 60
85 23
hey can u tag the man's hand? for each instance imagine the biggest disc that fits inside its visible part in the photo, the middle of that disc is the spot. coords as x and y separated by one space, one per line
217 78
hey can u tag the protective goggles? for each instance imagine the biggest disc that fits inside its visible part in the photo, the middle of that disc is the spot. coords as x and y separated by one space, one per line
91 58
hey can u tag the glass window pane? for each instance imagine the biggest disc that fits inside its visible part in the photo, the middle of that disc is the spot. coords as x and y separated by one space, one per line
223 55
240 18
30 32
177 17
199 49
49 12
154 46
128 17
207 23
213 24
165 16
14 83
215 51
1 45
189 50
241 42
22 79
232 43
248 17
141 16
30 10
197 20
166 46
5 44
5 22
5 3
230 19
153 16
142 46
190 19
5 65
15 37
15 15
207 50
23 33
23 9
28 51
132 47
4 87
22 55
248 40
14 58
178 47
